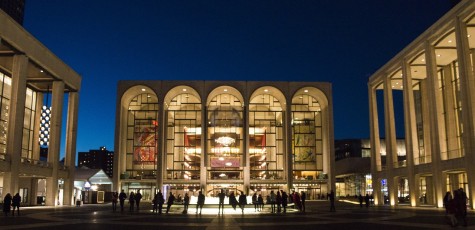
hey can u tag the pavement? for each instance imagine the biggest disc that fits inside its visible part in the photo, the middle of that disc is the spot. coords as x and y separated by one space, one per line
317 216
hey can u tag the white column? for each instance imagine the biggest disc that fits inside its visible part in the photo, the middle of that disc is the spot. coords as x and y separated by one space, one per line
36 133
467 93
70 157
55 142
436 120
288 140
375 144
412 146
15 123
247 165
391 149
161 153
204 144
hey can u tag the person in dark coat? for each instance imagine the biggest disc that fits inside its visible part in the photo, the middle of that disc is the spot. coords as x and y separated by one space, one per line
138 197
7 203
171 199
232 200
332 201
254 202
160 202
186 203
303 197
242 201
285 198
260 202
366 200
221 197
115 198
122 197
200 202
278 201
155 203
360 199
16 203
131 201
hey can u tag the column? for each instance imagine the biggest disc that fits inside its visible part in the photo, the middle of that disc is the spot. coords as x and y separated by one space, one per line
36 133
161 154
71 136
412 146
54 142
375 144
33 191
391 156
450 121
204 146
436 121
247 167
288 140
15 123
467 91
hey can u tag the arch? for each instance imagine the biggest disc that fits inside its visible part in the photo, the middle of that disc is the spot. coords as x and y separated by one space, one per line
133 91
225 89
177 90
276 93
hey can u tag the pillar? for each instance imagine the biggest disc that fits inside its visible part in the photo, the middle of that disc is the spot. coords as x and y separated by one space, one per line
54 143
288 140
15 123
375 144
247 165
391 149
70 158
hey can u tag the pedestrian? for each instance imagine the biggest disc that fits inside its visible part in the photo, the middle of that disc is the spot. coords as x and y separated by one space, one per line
260 202
200 202
254 202
462 206
447 198
221 197
303 197
16 200
451 209
138 197
131 201
7 203
297 201
155 203
284 200
360 199
186 202
122 197
171 199
242 201
332 201
278 201
366 200
115 198
232 200
272 201
160 202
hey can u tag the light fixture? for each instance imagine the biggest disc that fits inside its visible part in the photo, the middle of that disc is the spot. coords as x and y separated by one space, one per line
222 175
229 164
306 91
143 90
226 141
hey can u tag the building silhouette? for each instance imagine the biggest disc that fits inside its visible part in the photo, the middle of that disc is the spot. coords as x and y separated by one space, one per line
97 159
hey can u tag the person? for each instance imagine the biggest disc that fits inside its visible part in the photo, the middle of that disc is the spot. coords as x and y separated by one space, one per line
122 197
451 209
303 197
221 197
254 201
360 199
332 201
284 200
115 197
200 202
297 201
232 200
138 197
7 203
16 203
131 201
272 201
242 201
186 202
160 202
366 200
260 202
462 206
447 198
278 201
171 199
155 203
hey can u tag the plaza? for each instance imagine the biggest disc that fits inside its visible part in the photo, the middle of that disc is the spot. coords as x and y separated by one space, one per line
318 216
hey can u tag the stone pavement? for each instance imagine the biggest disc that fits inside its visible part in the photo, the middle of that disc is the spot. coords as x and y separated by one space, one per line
317 216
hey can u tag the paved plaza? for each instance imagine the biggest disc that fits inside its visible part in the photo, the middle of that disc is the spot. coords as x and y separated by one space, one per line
317 216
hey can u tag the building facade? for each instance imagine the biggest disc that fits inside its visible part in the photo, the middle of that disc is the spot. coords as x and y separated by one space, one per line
240 136
30 75
97 159
427 93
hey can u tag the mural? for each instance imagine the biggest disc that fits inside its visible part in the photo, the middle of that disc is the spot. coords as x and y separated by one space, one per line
145 142
304 147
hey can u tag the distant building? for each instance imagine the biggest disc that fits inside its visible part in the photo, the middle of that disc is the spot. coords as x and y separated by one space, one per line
97 159
14 8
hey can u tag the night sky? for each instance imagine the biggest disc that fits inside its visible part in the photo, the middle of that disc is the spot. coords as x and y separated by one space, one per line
342 42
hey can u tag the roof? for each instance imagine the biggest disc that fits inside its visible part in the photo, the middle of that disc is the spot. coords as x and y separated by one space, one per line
97 176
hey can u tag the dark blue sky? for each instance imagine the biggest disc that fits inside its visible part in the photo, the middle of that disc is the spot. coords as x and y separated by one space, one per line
342 42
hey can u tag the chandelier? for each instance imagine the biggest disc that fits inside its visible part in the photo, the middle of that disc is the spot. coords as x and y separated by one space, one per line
226 141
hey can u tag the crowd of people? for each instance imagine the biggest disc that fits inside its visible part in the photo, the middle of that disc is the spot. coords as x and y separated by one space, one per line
456 207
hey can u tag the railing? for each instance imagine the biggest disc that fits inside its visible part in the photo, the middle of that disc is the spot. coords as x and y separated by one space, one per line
423 160
30 161
452 154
